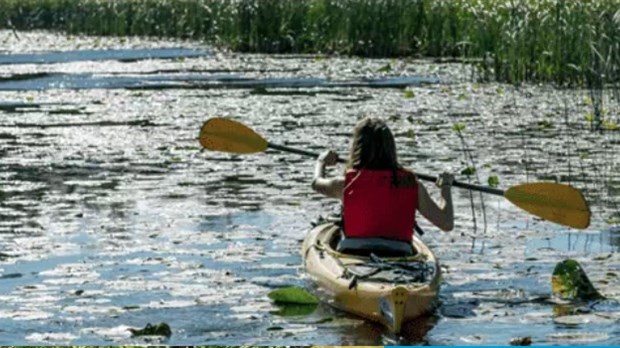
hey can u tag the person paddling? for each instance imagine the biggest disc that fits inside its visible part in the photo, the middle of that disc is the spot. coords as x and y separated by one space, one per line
380 197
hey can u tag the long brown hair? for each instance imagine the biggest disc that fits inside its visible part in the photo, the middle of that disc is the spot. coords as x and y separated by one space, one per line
374 148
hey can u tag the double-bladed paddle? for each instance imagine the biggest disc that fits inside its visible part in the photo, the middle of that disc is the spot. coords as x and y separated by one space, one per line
559 203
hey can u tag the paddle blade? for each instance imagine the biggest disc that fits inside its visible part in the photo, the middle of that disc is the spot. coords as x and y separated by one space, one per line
558 203
225 135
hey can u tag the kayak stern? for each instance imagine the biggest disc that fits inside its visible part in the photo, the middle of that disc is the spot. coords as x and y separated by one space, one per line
391 304
392 308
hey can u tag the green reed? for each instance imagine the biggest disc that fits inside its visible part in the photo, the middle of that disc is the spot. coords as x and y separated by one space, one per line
560 41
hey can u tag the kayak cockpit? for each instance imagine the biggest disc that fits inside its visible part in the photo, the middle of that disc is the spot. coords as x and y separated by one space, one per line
378 246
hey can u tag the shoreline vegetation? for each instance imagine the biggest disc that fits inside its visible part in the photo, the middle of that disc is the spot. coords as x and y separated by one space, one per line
564 42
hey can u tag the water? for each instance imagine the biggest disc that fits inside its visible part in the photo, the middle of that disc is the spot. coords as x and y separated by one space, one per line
123 55
111 217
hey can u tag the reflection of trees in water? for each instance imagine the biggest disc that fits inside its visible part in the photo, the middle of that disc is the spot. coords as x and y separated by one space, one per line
614 237
598 242
21 188
589 243
30 192
241 191
413 333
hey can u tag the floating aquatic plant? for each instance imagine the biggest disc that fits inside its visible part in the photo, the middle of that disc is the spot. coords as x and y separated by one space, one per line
493 181
468 171
293 295
569 281
458 127
521 341
294 310
161 329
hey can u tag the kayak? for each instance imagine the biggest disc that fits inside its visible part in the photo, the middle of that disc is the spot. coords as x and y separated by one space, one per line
387 290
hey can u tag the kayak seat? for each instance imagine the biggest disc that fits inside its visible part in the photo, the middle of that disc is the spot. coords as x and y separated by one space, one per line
379 246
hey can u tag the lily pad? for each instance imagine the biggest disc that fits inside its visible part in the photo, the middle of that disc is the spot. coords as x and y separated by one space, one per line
493 181
569 281
293 295
521 341
385 68
324 320
458 127
294 310
545 124
130 308
469 171
161 329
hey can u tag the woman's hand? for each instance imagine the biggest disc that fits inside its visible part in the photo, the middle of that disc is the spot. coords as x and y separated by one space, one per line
329 158
445 180
442 214
331 187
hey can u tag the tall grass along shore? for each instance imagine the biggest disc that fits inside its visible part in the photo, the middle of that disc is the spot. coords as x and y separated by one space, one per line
560 41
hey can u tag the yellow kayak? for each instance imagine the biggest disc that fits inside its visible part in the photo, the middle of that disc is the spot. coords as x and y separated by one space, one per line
389 290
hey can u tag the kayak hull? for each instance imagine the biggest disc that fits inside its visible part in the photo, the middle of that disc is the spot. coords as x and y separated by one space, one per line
390 303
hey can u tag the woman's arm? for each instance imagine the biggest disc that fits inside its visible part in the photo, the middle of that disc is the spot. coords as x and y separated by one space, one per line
331 187
441 215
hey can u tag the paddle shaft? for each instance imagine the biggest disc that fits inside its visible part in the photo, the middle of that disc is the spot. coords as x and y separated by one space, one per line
465 185
554 202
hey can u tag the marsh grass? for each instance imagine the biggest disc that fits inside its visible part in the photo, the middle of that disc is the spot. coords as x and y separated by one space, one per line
562 41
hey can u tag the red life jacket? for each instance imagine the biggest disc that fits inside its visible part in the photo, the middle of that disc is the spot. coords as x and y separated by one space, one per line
375 208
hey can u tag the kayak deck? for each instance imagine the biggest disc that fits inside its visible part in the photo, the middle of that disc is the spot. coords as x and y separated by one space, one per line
390 291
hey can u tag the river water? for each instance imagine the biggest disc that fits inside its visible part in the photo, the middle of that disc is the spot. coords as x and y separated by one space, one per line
111 217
